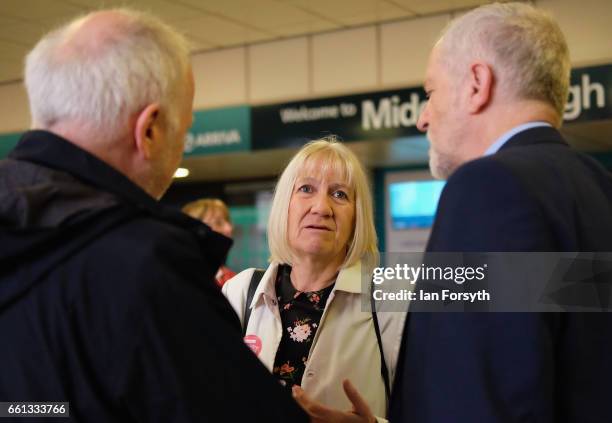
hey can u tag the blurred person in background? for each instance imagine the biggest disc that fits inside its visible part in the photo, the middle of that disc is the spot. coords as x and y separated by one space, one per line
303 317
102 303
215 214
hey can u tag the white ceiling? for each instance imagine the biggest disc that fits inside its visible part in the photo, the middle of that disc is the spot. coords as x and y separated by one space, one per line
210 24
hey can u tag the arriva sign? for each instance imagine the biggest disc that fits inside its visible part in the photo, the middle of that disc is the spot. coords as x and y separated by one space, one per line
219 131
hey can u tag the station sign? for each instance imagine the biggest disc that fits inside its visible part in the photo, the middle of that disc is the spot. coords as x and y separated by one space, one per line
219 131
377 115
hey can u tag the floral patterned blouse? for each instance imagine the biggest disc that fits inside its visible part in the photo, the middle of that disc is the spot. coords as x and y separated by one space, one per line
300 314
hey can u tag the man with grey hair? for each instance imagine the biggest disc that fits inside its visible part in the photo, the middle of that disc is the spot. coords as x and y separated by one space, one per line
497 83
107 299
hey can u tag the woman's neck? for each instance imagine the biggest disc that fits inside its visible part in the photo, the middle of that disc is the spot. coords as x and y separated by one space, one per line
313 275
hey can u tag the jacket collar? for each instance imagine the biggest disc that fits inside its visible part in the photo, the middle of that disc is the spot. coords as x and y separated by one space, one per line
538 135
51 150
348 280
266 287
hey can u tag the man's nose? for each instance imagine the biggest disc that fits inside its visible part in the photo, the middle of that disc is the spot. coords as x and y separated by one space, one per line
423 121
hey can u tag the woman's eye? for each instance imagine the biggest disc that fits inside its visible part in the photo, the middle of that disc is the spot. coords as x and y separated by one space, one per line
305 188
340 194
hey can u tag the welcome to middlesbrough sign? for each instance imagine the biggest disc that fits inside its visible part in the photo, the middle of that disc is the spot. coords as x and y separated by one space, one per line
394 113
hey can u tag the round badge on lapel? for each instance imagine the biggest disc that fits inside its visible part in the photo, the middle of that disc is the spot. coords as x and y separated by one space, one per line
254 343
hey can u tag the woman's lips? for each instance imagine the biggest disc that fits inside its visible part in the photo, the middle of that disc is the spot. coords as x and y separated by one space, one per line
318 228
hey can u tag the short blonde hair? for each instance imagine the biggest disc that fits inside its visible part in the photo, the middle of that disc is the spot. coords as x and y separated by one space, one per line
326 153
198 209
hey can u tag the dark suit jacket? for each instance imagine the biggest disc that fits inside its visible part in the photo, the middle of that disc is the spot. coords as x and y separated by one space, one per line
535 194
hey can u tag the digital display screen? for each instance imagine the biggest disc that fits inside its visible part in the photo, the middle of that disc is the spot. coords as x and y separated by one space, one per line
413 203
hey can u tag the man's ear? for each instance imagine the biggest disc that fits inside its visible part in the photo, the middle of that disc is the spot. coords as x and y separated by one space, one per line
147 129
481 80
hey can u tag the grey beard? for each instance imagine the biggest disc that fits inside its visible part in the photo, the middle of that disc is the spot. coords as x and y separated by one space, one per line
441 166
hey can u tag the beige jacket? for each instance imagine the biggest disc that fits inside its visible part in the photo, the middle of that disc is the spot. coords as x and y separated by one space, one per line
344 347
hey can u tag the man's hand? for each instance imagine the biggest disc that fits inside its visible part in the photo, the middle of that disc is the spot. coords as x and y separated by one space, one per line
321 414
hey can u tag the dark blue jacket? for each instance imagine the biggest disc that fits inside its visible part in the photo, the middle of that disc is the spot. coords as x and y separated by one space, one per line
107 300
535 194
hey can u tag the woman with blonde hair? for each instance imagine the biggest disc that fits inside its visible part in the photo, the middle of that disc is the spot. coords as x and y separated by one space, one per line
304 318
215 214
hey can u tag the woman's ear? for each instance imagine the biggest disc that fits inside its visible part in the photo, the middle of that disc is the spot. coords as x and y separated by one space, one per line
147 129
481 80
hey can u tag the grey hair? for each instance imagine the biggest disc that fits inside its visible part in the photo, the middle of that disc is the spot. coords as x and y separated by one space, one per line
524 45
104 83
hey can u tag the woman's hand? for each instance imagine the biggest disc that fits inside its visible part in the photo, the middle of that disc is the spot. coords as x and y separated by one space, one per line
319 413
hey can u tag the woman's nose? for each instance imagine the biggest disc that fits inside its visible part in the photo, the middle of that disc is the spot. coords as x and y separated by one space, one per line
321 204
